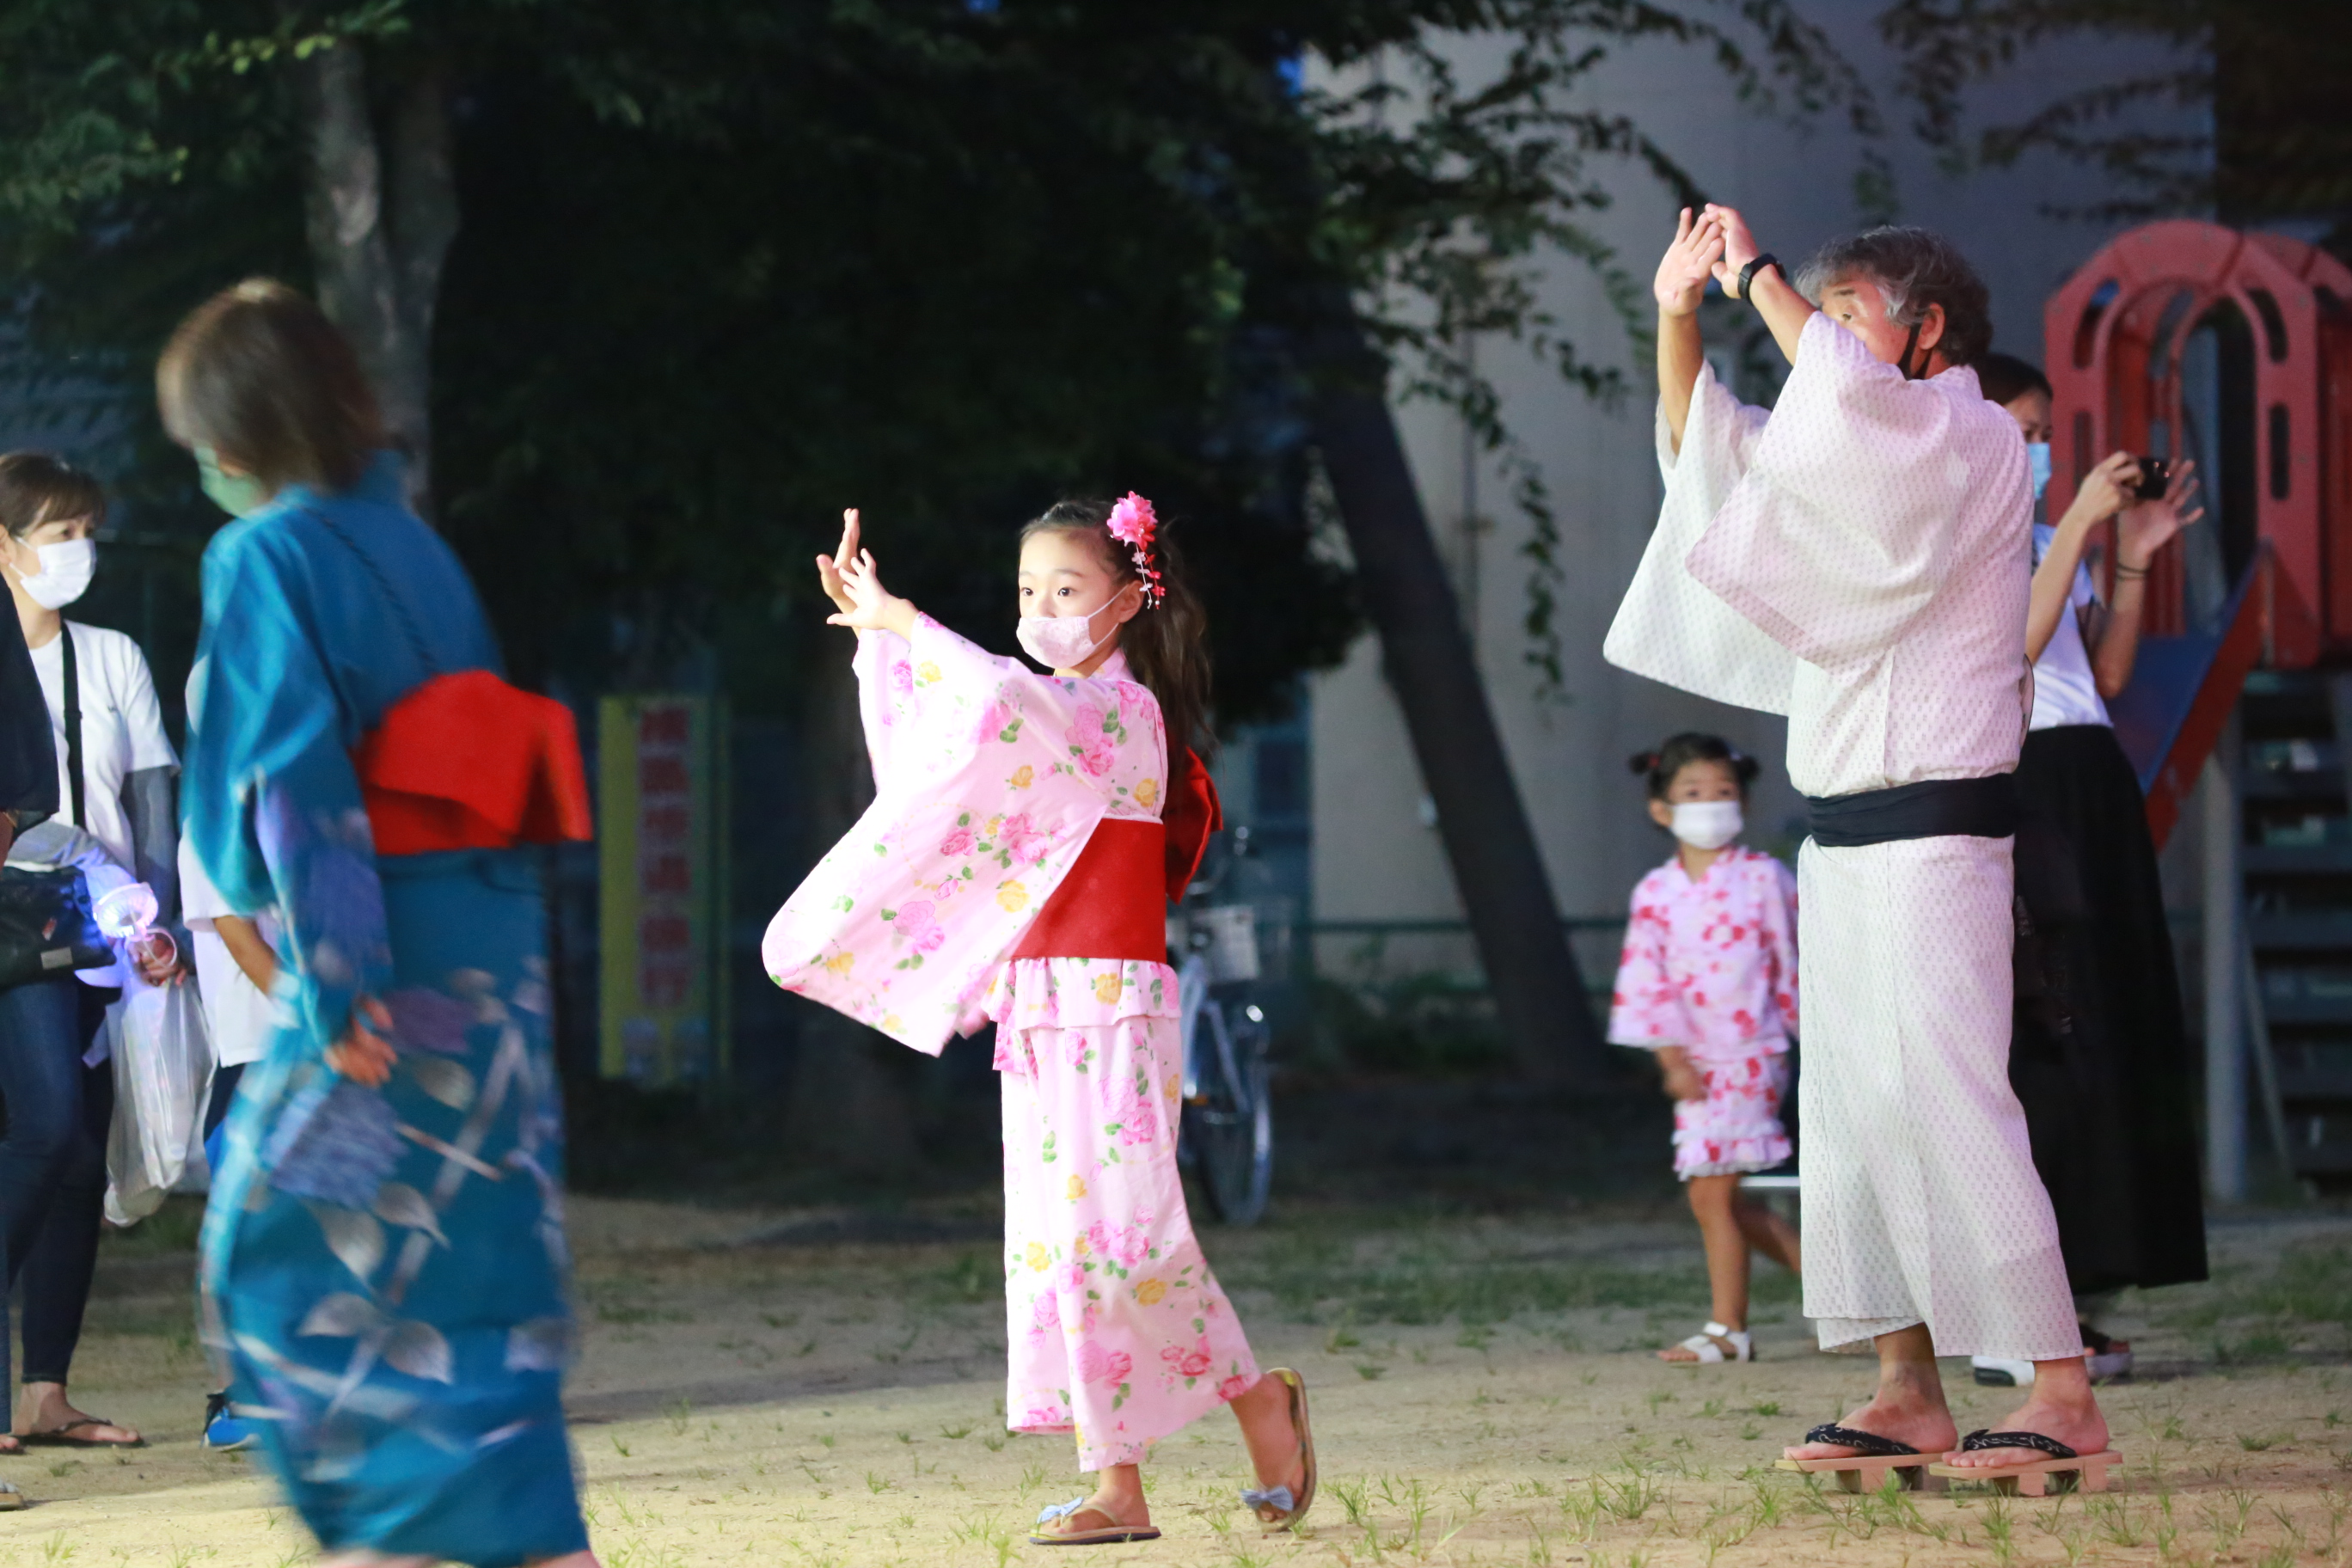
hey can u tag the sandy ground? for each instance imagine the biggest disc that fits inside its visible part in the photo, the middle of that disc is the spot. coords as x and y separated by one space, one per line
786 1388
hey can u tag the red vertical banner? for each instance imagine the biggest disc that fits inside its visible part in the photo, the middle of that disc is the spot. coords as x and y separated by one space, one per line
661 808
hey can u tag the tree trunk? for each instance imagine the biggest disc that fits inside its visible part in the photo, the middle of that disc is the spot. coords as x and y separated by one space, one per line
378 259
852 1109
1539 995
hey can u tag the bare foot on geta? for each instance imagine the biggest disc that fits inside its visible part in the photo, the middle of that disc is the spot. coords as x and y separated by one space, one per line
1904 1414
2075 1422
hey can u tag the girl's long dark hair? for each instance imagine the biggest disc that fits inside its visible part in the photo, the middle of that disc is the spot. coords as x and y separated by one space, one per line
1166 644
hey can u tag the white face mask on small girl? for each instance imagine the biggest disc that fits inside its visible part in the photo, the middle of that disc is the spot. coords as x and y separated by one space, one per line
1708 824
1063 642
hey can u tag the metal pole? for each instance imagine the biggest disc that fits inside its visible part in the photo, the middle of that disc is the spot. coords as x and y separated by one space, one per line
2225 1065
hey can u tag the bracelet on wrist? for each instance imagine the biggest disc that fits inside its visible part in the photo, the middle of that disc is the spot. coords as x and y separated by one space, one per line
2122 570
1748 273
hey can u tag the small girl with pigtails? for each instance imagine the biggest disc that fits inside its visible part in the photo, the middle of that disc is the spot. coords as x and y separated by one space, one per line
1708 981
1027 835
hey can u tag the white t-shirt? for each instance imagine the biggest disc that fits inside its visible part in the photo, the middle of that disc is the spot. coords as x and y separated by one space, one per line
2065 689
237 1013
121 727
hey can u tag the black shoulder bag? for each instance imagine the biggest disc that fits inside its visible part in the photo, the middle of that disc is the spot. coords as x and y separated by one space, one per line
47 924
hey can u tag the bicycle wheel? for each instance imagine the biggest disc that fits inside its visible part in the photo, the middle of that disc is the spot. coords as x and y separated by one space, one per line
1231 1124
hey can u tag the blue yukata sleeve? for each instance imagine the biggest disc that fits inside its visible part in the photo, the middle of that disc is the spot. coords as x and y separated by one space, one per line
273 804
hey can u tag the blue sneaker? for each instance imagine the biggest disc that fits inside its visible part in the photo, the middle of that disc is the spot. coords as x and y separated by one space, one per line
225 1431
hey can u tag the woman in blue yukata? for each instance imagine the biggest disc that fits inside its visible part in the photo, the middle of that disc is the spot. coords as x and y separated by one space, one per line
384 1271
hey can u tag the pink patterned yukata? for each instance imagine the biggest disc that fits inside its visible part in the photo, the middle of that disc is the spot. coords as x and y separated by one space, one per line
1711 966
990 778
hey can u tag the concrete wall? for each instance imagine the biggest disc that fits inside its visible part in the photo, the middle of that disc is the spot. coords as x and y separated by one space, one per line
1377 858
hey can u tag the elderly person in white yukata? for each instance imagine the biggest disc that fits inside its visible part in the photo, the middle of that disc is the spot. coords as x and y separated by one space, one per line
1857 561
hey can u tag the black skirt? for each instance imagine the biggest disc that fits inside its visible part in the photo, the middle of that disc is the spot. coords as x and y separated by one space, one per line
2101 1061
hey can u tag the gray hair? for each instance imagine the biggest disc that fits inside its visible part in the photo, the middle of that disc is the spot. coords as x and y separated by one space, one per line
1913 268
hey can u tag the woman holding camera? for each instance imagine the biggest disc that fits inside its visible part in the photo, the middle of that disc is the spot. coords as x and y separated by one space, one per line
2098 1055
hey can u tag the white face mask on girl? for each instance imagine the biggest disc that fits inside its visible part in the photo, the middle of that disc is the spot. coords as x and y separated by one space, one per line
66 571
1708 824
1062 642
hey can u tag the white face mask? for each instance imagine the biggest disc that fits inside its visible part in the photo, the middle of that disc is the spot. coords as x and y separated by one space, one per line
66 571
1708 824
1062 642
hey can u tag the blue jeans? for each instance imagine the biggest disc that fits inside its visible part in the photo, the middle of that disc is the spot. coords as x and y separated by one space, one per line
52 1163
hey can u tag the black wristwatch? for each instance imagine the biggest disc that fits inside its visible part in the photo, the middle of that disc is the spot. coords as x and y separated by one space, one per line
1748 273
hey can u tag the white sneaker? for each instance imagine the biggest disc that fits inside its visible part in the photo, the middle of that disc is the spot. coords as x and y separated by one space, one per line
1999 1372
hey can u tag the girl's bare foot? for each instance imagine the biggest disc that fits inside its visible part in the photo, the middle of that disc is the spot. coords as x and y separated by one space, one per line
1117 1498
1277 1453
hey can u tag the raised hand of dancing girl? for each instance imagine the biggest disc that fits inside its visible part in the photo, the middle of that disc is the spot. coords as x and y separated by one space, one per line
852 580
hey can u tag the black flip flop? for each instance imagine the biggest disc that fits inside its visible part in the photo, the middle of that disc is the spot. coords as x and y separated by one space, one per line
1977 1442
63 1436
1871 1445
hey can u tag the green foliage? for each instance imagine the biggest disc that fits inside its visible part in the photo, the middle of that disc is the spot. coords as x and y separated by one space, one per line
2234 104
724 269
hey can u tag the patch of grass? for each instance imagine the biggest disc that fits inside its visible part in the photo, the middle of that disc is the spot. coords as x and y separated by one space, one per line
970 1279
1432 1273
172 1229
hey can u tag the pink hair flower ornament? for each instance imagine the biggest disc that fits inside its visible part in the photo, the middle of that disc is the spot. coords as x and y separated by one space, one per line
1133 525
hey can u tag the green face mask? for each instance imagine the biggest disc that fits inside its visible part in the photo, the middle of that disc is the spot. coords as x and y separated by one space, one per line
239 495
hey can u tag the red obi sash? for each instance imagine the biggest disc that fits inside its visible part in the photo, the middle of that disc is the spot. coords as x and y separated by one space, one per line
1113 904
467 762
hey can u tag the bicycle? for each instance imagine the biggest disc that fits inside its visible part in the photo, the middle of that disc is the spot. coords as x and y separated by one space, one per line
1226 1130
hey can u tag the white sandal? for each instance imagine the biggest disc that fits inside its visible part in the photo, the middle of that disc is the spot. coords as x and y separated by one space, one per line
1708 1343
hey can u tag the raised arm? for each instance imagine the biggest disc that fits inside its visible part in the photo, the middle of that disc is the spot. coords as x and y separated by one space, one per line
2099 498
2145 529
1681 285
1785 312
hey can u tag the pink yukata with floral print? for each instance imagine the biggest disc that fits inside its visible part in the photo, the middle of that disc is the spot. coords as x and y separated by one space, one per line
1710 965
989 779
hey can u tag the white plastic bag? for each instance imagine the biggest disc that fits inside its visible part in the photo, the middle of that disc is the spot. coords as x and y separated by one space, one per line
162 1079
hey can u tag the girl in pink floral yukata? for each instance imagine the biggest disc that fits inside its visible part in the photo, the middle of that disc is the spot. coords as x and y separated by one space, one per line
1708 981
1026 833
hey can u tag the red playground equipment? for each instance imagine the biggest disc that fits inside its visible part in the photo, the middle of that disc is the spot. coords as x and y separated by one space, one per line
2117 333
2188 340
